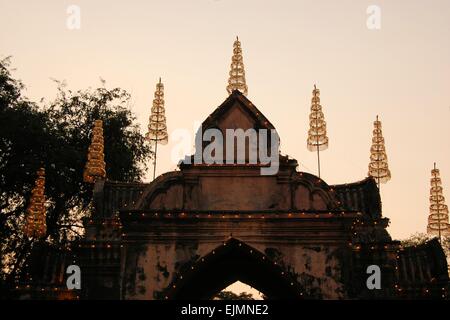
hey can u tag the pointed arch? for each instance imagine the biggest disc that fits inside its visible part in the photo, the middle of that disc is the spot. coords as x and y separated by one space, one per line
234 261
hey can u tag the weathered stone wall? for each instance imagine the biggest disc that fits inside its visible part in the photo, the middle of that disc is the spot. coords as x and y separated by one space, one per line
152 271
152 266
236 188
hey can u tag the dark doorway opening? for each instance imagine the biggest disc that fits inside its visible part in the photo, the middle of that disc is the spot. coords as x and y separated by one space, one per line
231 262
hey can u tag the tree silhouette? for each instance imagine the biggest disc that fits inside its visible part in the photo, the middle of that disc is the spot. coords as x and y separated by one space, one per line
229 295
55 135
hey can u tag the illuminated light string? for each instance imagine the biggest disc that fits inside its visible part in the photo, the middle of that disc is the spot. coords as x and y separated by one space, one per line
237 80
328 214
35 223
426 289
95 165
357 246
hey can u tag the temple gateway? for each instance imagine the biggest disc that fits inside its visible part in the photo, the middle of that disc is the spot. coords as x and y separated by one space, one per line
190 233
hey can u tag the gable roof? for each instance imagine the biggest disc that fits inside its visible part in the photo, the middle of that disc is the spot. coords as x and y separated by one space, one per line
213 120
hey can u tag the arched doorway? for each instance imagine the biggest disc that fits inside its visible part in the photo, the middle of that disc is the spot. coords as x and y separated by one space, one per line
231 262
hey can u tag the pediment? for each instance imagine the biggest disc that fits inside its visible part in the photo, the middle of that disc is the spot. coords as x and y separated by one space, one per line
237 112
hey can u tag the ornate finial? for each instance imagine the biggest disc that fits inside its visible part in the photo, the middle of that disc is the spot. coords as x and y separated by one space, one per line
95 165
438 219
378 166
236 80
157 126
317 134
35 224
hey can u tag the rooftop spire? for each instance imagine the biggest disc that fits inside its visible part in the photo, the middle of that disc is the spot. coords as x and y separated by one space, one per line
378 166
95 165
236 80
438 218
317 134
35 224
157 126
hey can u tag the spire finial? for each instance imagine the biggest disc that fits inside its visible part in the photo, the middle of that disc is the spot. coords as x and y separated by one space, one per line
317 133
95 165
438 223
236 81
157 127
378 166
35 225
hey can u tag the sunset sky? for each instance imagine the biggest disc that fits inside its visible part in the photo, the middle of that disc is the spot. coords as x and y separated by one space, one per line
400 72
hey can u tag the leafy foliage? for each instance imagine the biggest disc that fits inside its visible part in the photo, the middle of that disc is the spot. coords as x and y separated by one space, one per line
229 295
421 238
56 136
416 239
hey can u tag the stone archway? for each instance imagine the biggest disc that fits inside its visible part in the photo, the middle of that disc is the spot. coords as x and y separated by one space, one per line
143 239
234 261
